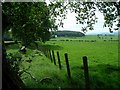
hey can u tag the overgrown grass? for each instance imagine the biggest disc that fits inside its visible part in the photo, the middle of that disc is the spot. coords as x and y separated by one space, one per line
102 60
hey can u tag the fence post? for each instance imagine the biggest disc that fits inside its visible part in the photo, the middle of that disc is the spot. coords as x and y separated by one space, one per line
46 53
54 57
59 60
67 65
50 55
86 74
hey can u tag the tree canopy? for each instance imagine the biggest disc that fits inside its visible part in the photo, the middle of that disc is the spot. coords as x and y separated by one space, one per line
85 12
33 21
30 21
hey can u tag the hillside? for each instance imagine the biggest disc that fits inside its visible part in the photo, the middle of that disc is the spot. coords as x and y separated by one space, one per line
67 33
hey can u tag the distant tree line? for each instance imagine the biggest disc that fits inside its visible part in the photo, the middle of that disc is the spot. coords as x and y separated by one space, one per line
68 34
101 36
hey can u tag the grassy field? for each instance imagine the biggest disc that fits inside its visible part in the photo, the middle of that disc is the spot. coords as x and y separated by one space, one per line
89 37
102 60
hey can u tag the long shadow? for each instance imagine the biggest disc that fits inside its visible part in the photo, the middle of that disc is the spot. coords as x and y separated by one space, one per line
51 47
12 46
107 68
45 48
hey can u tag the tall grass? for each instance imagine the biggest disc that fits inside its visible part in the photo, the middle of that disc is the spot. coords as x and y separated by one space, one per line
102 61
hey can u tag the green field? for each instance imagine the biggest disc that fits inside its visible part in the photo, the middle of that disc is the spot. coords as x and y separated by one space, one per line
102 60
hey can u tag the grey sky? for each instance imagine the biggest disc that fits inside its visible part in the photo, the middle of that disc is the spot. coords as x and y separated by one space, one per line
70 24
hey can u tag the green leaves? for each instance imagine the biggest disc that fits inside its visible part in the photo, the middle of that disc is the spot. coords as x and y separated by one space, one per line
110 12
29 21
86 12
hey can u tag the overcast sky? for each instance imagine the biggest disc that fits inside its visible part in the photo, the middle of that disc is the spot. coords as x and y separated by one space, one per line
70 24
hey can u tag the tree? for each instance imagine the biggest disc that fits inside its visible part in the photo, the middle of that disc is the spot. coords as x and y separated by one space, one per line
86 13
32 21
28 21
35 21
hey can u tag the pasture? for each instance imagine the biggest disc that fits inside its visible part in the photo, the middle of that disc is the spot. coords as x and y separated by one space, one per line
102 63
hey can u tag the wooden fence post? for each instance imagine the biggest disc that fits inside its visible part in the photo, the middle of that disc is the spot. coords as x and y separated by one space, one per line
67 65
59 60
50 55
86 74
46 53
54 57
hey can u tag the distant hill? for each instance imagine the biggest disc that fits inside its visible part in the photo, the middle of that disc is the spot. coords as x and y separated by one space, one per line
95 33
67 33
